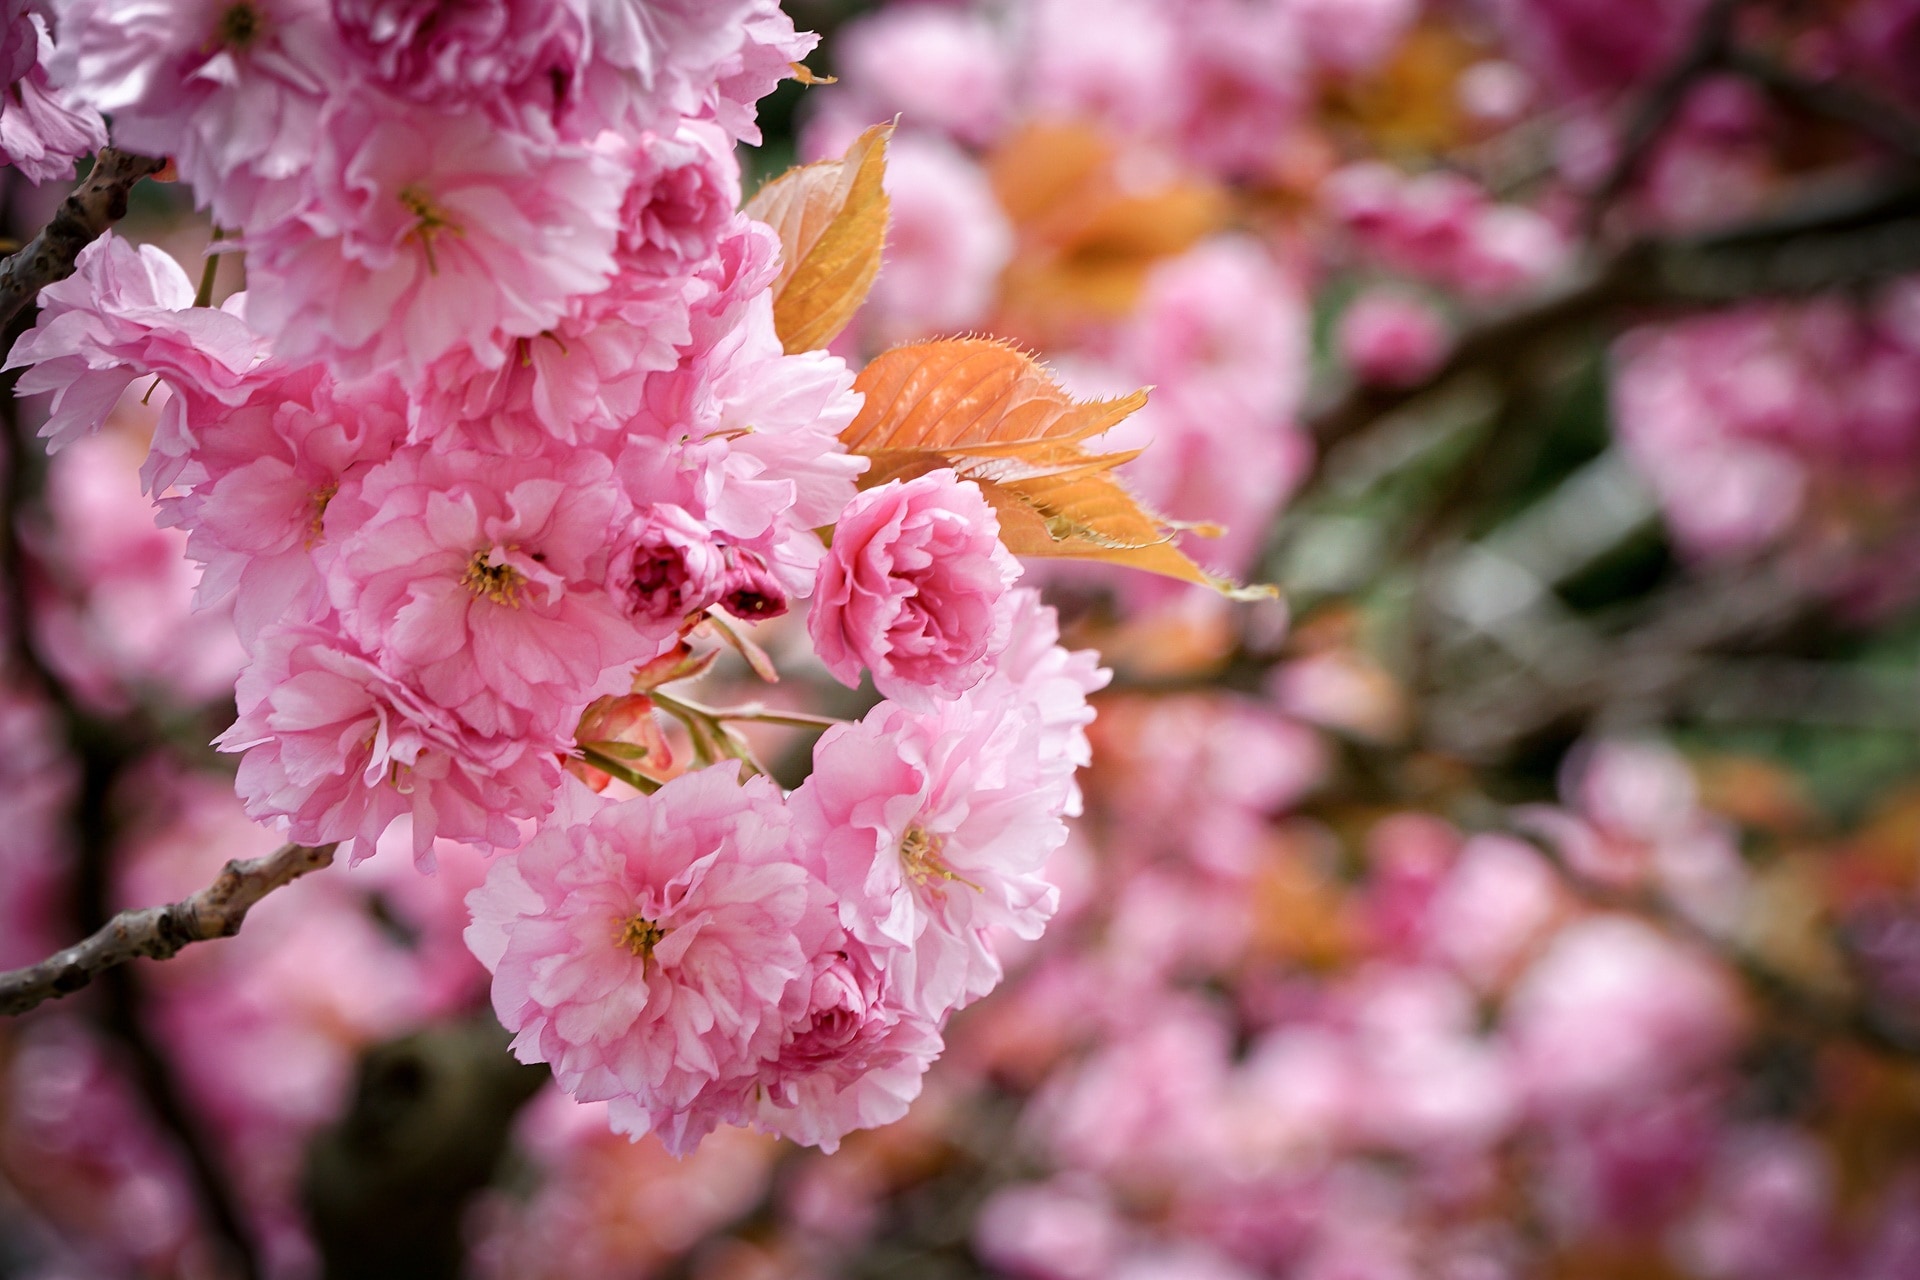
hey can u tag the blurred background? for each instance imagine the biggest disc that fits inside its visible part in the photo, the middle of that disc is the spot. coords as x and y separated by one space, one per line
1534 893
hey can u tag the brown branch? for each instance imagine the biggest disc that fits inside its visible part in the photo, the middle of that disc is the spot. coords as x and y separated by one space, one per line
95 204
1883 122
1707 51
161 932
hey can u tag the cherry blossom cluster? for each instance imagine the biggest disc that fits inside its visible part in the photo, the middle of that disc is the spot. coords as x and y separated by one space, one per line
500 429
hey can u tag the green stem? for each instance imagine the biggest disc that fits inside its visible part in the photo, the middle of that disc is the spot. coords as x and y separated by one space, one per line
203 296
608 765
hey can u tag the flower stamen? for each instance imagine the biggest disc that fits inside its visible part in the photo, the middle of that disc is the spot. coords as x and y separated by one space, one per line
429 221
499 583
239 27
640 936
320 498
920 855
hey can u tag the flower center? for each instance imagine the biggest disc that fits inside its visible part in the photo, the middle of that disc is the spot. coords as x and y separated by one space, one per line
499 583
428 221
640 936
238 27
920 855
320 498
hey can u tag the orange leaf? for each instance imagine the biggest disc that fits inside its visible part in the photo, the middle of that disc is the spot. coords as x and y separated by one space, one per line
832 221
997 417
975 396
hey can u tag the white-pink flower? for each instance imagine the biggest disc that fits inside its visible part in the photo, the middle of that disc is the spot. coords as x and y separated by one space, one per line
232 90
127 313
931 833
1034 671
261 477
424 234
645 949
911 589
479 577
337 748
503 56
852 1058
42 126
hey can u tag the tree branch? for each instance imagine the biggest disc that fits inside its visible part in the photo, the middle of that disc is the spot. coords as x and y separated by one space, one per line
1885 123
1707 50
1830 237
161 932
95 205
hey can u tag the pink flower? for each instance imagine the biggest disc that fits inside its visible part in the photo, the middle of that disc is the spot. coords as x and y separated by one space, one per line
742 435
128 313
260 479
1443 227
336 749
1391 338
480 578
685 188
852 1058
42 127
931 835
1221 333
644 949
503 56
936 66
1066 1229
666 569
1615 1011
1034 671
231 91
912 587
426 234
762 55
947 240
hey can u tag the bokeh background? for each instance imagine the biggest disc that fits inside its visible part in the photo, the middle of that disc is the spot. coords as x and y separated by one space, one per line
1533 891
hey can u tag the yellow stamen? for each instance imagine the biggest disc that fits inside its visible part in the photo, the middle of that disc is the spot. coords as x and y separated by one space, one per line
499 583
429 221
320 498
920 855
640 936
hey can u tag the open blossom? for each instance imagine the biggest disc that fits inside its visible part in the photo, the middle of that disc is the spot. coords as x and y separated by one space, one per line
479 577
233 92
912 588
127 312
644 948
1036 672
424 235
931 834
42 127
497 54
336 749
852 1058
743 435
261 478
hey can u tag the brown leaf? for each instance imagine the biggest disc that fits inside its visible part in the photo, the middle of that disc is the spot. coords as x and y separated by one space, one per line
832 221
997 417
